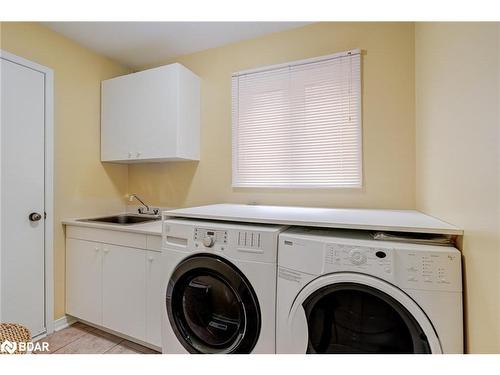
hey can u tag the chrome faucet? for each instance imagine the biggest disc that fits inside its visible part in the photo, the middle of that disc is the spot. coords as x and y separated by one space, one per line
140 209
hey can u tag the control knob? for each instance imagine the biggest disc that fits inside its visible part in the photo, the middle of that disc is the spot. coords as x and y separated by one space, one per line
357 257
208 241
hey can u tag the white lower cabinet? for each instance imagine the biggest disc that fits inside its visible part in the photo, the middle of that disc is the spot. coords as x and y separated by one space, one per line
84 280
114 286
154 302
124 290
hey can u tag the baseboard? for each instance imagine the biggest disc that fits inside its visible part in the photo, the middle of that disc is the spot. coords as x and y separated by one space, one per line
63 322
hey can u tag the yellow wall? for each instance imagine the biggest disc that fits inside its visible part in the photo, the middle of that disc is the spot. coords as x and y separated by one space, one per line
388 120
82 185
458 159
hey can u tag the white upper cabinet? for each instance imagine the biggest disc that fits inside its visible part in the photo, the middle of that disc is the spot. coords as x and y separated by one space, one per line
151 116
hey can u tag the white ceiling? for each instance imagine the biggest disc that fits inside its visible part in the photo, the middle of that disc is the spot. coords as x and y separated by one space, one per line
135 44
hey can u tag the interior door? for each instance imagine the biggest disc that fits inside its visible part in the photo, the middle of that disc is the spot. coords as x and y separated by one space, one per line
22 297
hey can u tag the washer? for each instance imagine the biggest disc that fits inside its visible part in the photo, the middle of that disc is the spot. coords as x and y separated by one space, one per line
219 287
343 292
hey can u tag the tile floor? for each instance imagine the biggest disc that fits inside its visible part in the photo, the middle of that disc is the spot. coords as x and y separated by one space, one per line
80 338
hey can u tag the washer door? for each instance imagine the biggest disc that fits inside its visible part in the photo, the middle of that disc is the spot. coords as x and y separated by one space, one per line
354 313
212 307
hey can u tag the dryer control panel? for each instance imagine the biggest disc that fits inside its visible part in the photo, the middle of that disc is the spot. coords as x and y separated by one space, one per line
417 268
407 265
375 260
431 269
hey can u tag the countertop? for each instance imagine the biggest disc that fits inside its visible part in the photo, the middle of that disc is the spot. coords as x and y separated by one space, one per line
365 219
152 228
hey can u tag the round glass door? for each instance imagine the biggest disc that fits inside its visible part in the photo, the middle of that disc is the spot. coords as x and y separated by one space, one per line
356 318
212 307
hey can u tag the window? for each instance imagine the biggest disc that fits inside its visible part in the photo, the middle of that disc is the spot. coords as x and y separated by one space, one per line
298 125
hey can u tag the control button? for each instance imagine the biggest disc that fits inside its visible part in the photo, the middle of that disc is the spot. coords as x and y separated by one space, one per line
357 257
380 254
208 241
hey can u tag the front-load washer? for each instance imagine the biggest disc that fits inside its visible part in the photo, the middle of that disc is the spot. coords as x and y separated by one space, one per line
219 292
343 292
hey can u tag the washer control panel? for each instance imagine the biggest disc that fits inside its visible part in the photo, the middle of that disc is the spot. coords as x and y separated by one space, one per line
364 258
210 238
249 240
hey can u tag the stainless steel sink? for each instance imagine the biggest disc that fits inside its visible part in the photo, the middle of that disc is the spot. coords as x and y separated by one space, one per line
125 219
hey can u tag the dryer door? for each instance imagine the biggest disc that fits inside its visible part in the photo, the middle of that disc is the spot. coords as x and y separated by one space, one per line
354 313
212 307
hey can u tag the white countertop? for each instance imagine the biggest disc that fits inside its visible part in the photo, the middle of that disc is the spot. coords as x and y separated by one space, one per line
367 219
151 228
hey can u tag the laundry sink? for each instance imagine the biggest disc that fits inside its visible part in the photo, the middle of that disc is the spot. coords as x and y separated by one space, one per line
124 219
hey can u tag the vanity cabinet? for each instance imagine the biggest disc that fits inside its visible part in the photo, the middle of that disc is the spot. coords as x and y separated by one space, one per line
113 285
151 116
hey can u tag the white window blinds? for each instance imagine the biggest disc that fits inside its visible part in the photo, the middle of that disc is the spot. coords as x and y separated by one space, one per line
299 124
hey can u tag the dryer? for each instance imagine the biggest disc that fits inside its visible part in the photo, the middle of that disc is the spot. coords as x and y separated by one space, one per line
219 289
343 292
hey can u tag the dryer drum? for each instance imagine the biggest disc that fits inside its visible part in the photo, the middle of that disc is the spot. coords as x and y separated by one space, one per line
356 318
212 307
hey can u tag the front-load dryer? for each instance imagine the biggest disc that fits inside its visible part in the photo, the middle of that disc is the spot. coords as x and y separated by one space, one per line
219 290
343 292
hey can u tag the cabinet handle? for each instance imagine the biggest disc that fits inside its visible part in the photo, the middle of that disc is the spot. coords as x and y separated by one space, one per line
129 154
138 154
96 249
106 250
150 259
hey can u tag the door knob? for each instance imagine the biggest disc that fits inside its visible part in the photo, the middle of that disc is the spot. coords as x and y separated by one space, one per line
34 216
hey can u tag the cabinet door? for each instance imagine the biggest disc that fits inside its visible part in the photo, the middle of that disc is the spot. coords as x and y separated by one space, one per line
155 299
124 290
139 115
156 98
83 280
116 124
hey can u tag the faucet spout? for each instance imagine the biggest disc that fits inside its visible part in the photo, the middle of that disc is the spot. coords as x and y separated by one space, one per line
131 198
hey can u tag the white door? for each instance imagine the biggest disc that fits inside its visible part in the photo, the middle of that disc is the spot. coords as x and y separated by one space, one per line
155 300
84 279
22 196
124 290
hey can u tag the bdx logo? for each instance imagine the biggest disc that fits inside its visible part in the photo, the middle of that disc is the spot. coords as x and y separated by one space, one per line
10 347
